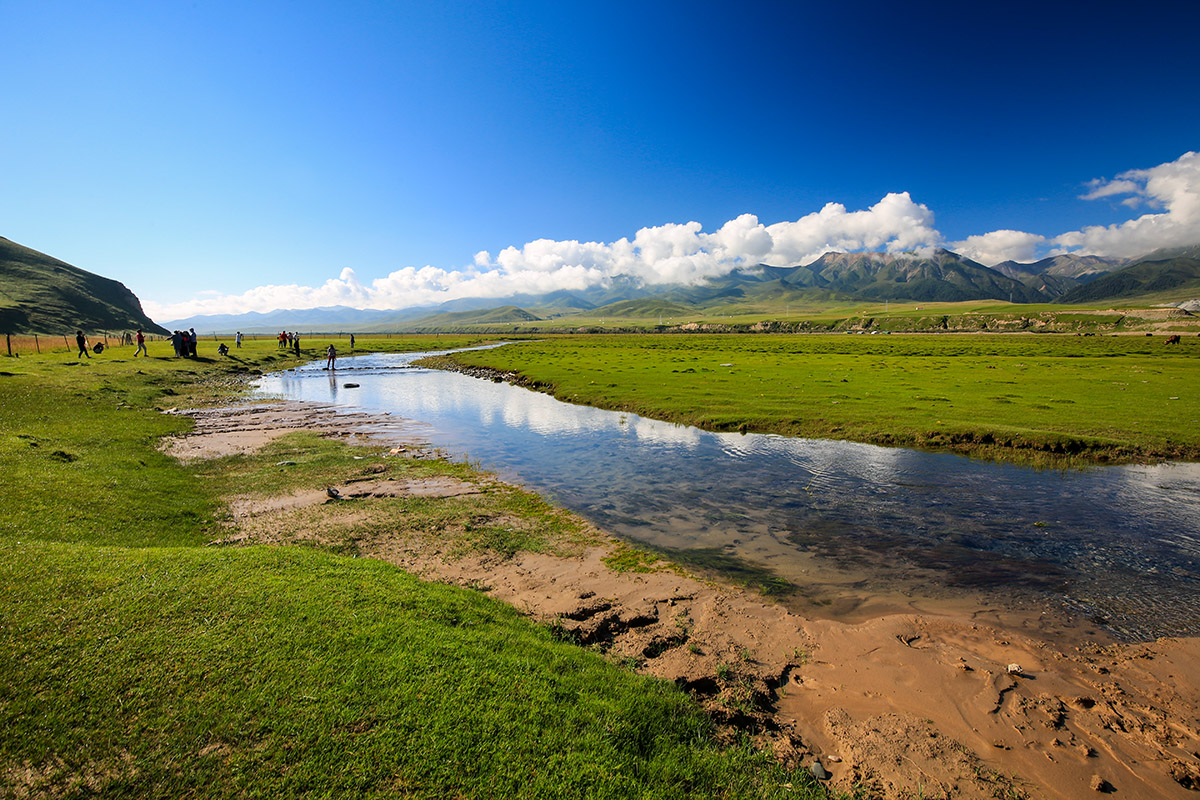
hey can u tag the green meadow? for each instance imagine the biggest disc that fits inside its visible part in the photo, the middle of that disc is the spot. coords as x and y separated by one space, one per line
141 658
1038 398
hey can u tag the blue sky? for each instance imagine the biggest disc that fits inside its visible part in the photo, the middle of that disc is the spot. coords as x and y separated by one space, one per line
232 156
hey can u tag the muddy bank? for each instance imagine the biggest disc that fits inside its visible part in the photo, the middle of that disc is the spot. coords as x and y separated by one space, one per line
246 427
932 703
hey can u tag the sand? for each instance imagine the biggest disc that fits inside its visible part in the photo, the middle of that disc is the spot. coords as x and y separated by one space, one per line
935 701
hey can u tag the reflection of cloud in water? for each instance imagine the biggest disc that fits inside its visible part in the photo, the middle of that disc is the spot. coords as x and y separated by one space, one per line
441 394
498 404
543 414
665 433
823 459
1167 494
1145 484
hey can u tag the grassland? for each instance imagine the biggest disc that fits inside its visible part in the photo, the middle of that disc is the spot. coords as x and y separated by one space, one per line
1024 397
139 661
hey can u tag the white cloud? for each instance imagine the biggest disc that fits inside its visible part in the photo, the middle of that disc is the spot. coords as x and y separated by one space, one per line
684 253
1003 245
670 253
1101 188
1173 187
894 224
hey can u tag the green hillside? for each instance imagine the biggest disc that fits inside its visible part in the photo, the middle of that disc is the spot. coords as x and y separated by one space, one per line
647 307
1176 278
488 316
40 294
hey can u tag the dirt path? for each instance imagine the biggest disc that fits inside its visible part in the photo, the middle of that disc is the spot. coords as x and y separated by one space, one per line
917 703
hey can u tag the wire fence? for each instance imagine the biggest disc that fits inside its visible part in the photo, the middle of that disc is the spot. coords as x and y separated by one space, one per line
16 345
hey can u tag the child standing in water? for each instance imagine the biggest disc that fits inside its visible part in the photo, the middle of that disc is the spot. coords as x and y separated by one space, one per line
330 357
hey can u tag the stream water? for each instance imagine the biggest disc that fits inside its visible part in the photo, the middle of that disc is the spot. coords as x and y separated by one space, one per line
1112 547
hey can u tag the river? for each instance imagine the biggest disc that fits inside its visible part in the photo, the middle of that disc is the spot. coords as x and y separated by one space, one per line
845 526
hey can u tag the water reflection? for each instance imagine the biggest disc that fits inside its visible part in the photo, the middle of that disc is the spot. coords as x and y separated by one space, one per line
1118 543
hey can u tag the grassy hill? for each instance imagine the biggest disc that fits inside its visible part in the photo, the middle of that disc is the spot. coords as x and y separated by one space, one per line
40 294
645 308
503 315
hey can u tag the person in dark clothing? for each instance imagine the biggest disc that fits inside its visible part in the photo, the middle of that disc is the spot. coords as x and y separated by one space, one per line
81 340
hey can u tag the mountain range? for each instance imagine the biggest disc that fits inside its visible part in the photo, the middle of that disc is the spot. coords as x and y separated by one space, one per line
44 295
936 276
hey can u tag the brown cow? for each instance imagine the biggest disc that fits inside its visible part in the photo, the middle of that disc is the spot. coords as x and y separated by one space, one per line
1173 339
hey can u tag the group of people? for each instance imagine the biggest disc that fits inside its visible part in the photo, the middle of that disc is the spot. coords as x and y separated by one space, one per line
184 343
291 340
86 347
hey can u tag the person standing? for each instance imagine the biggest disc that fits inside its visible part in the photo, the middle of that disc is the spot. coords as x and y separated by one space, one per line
296 342
192 342
237 339
330 356
141 344
82 342
352 343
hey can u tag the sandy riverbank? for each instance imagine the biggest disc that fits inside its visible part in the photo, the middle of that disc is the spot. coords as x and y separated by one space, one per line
907 700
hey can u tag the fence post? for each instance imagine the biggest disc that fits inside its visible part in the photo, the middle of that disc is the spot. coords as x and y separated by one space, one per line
35 344
8 341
